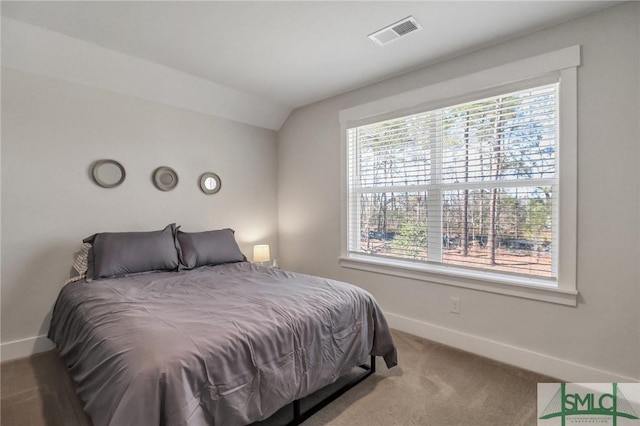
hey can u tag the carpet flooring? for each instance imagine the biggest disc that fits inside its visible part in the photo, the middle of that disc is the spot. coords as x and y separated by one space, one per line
434 385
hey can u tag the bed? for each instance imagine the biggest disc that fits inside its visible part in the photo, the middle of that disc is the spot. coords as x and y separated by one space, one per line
225 344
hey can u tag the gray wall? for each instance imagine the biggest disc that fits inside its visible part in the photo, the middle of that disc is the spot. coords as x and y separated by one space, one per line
53 130
603 332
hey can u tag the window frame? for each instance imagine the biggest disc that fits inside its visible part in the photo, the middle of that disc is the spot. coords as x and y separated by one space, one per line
560 65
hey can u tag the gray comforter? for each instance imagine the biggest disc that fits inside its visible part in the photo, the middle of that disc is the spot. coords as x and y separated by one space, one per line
223 345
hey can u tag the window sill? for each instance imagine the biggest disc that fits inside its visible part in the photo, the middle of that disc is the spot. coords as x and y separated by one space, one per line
536 289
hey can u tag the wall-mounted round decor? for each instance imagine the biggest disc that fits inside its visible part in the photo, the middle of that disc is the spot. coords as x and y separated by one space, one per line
210 183
107 173
165 178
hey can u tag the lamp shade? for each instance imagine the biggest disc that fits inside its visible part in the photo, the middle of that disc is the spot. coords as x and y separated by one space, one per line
261 253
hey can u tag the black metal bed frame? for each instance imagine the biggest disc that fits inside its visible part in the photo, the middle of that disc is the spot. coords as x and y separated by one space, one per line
299 417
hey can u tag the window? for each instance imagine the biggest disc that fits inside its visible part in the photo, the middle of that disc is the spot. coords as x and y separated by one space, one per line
472 185
467 186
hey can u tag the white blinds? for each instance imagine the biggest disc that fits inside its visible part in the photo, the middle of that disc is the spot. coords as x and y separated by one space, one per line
471 185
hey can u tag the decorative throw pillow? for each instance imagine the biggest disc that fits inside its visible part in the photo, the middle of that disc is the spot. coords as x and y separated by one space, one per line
80 264
208 248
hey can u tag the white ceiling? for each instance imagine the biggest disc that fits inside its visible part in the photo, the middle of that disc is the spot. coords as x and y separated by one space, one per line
293 53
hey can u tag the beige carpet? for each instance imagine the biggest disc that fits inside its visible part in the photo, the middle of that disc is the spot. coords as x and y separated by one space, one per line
37 391
434 385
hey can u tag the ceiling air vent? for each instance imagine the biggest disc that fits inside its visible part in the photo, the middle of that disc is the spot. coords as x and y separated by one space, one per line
395 31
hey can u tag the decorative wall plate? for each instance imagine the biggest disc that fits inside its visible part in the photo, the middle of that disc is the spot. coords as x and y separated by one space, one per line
165 178
108 173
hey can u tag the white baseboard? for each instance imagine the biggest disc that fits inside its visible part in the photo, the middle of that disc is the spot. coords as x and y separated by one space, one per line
544 364
24 347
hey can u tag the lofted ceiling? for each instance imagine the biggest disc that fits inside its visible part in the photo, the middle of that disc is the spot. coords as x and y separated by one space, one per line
292 53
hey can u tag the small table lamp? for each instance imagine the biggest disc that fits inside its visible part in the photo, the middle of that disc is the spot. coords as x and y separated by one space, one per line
261 253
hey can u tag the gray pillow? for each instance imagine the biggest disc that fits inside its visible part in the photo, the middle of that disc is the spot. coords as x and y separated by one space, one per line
123 253
208 248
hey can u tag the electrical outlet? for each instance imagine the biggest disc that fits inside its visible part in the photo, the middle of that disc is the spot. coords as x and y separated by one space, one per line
455 305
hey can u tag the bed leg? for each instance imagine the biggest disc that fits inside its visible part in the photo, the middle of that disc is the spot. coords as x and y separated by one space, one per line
299 417
296 412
